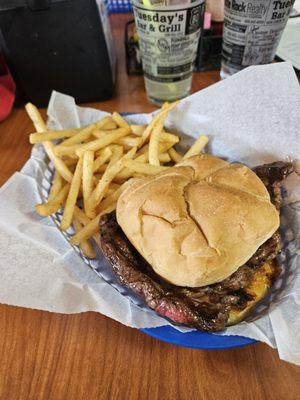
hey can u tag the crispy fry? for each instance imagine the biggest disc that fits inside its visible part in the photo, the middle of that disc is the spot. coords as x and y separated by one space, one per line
86 132
163 112
99 134
164 158
197 147
103 142
129 141
138 130
109 200
111 189
94 145
72 197
164 146
87 179
142 168
38 137
92 227
81 216
175 156
117 154
40 126
120 121
108 176
154 140
168 137
58 163
143 150
57 183
109 125
102 158
125 174
54 205
70 162
85 245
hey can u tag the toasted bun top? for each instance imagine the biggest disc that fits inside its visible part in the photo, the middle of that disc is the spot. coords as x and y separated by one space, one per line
198 222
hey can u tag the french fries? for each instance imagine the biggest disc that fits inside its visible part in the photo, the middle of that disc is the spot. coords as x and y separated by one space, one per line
57 183
175 156
53 205
50 135
197 147
72 197
87 179
93 166
102 158
108 176
86 247
155 139
40 126
142 168
86 132
120 121
138 130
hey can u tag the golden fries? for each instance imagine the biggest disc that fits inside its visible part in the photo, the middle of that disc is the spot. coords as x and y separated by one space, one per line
57 183
102 158
72 197
142 168
93 166
40 126
85 245
50 135
86 132
138 130
155 139
54 205
197 147
92 227
87 179
81 216
129 141
169 137
120 121
164 111
108 176
175 156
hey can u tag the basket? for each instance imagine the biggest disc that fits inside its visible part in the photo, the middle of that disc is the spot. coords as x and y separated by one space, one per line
119 6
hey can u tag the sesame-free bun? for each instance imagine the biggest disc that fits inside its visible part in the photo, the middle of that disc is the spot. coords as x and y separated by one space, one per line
198 222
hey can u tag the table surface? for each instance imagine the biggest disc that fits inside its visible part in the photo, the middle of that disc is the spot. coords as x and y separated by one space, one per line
88 356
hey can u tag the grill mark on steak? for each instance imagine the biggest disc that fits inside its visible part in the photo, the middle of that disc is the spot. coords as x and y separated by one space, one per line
206 308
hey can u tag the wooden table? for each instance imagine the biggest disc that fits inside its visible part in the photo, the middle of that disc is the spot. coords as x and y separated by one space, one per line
88 356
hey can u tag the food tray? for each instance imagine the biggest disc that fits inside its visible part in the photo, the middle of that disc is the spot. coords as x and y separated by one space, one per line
194 339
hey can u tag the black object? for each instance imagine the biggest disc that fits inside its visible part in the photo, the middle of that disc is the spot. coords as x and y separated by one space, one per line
133 59
56 44
209 51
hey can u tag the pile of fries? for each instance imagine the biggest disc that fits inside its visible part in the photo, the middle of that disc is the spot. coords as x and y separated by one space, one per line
93 165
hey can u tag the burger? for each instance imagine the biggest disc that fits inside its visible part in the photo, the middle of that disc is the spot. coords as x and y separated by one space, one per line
198 242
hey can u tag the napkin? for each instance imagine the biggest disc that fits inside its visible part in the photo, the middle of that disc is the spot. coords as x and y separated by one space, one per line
252 117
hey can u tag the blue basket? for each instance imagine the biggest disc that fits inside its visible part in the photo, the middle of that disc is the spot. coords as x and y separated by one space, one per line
119 6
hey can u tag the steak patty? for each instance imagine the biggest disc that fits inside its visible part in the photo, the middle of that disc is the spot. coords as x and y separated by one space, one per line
206 308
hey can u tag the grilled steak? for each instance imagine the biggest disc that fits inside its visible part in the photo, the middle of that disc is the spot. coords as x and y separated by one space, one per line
206 308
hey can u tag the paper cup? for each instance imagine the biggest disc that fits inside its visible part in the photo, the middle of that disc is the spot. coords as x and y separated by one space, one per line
252 31
168 42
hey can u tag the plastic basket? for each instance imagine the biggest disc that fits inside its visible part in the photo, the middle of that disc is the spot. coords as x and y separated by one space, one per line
119 6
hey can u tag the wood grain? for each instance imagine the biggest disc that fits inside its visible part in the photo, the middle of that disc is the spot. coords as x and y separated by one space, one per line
48 356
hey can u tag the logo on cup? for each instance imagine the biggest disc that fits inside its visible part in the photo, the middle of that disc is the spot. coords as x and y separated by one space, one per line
163 45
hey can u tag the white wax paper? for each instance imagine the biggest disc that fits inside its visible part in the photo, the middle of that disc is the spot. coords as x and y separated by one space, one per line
252 117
